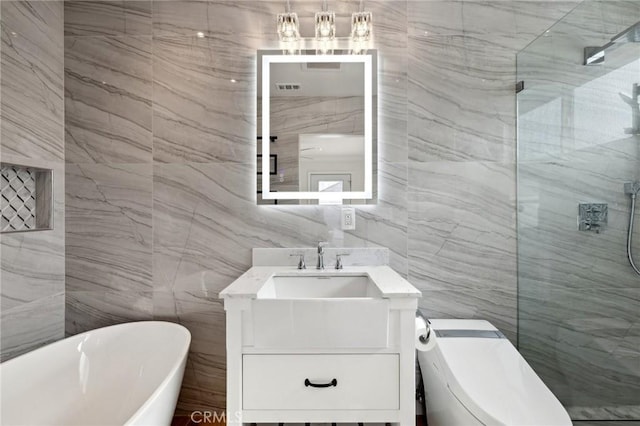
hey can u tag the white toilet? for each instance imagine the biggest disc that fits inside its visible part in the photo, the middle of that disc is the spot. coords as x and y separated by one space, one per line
473 376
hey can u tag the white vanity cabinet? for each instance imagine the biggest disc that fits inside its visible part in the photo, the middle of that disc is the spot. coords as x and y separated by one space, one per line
325 357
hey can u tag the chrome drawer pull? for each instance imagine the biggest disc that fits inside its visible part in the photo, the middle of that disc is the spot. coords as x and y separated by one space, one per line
333 382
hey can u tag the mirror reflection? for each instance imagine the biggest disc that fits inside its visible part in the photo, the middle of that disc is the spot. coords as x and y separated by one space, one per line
318 134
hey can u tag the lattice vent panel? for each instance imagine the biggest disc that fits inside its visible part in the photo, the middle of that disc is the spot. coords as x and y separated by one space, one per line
26 198
17 198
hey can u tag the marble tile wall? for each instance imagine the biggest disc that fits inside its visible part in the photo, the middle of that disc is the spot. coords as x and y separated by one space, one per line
32 269
108 54
461 152
578 295
161 203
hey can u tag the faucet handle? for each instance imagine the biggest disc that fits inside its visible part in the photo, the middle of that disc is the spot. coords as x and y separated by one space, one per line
339 260
301 263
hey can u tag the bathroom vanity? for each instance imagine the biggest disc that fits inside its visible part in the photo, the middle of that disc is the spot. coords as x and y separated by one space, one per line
309 345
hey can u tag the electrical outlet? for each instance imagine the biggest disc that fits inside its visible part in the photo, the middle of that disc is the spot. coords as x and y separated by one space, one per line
348 219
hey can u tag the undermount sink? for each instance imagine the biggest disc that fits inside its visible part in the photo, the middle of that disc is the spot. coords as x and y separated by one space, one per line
319 286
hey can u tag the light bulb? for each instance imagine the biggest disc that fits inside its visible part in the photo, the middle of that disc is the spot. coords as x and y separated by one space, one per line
361 26
325 25
287 26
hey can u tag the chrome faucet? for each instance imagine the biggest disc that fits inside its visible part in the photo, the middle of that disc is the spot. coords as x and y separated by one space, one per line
320 264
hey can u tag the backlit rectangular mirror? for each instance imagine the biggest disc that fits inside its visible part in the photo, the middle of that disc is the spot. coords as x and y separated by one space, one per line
317 128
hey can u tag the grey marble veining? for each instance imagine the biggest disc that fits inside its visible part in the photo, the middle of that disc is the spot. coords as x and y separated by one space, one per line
31 133
435 18
385 224
199 114
460 100
204 316
567 343
114 18
109 144
108 219
391 43
108 90
203 384
32 80
511 24
175 18
492 304
548 223
578 295
461 75
31 325
462 246
87 310
462 216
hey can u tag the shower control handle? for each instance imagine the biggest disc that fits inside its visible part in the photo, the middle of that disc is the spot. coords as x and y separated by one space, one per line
592 216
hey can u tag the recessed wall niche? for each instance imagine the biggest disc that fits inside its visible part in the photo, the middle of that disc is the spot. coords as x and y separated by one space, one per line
26 200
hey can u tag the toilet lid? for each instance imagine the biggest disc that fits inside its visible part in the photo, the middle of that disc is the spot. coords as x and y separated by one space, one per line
494 382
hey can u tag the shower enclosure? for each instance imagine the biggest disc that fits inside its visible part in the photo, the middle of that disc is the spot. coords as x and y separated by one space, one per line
578 145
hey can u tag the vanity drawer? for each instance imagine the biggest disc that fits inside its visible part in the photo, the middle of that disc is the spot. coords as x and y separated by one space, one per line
286 382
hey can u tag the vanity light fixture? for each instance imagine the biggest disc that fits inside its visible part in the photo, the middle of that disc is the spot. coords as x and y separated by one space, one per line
325 24
361 25
326 41
288 26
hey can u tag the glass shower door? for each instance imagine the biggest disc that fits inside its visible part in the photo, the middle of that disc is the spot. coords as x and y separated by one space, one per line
578 144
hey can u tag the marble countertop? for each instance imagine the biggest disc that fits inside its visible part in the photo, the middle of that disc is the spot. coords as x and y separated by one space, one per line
388 281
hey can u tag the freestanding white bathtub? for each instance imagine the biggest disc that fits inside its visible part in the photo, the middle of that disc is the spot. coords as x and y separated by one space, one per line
127 374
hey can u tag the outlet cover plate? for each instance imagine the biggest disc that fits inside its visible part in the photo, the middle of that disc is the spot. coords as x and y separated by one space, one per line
348 218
